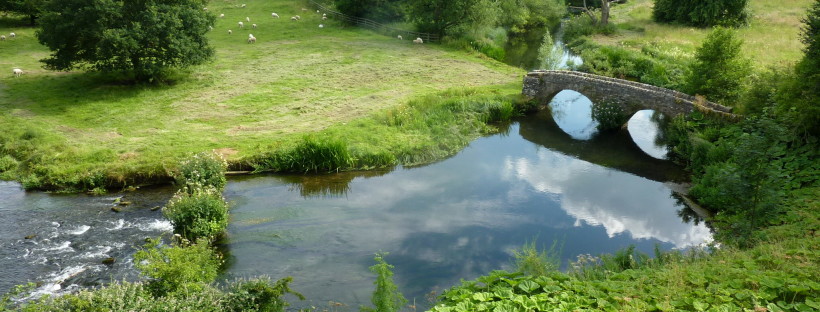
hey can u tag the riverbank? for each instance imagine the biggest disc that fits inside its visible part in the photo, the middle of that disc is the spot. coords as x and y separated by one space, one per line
80 131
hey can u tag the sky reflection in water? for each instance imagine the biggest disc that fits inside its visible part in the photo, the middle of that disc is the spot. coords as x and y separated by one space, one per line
456 219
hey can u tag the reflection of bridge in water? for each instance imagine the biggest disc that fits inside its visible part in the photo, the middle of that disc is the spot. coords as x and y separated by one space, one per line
630 96
610 149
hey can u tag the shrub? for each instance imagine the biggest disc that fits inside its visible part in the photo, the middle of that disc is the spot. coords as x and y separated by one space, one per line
184 268
197 213
202 170
259 294
701 12
719 69
609 116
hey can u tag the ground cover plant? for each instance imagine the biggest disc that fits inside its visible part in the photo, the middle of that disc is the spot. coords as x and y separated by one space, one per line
78 131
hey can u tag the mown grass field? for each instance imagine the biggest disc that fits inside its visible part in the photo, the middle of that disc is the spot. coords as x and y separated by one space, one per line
252 98
770 39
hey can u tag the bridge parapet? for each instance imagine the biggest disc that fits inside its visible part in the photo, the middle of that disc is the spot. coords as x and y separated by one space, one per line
631 96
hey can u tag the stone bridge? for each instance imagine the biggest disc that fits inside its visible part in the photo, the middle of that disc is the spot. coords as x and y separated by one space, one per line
630 96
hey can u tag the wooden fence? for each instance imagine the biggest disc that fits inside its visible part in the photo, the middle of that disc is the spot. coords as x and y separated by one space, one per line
375 26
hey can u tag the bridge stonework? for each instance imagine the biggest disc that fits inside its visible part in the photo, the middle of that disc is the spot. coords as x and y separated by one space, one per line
630 96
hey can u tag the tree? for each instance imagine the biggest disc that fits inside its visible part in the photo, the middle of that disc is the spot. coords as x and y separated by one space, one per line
444 17
719 69
604 6
807 103
145 37
379 10
30 8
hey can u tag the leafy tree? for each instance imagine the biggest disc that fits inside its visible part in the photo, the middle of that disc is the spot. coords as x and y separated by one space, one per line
719 69
807 89
31 8
521 15
451 17
145 37
701 12
379 10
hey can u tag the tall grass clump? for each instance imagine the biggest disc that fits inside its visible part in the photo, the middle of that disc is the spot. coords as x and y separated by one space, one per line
197 212
533 262
311 154
203 169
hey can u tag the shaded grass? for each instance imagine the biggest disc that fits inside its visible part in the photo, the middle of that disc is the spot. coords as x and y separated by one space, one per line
251 99
770 39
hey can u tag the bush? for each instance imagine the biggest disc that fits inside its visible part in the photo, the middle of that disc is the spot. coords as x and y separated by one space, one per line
719 69
259 294
184 268
202 170
609 116
197 213
647 66
701 13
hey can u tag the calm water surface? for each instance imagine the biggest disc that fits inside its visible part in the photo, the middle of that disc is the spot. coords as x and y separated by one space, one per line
456 219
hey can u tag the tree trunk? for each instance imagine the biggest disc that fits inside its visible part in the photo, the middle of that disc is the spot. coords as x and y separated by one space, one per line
604 12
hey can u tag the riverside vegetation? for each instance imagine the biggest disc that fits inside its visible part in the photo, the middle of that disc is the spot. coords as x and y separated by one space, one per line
760 175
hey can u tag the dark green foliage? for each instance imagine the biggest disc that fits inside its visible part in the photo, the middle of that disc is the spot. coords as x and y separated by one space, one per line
198 212
452 17
701 13
385 11
260 295
521 15
719 69
31 8
804 96
206 169
145 37
609 116
184 268
386 296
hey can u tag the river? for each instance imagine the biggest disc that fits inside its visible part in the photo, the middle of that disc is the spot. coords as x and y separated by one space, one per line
545 178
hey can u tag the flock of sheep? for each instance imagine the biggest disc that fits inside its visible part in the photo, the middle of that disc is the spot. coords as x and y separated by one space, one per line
251 39
17 72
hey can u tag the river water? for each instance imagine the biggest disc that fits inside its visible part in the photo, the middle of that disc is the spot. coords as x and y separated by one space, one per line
544 177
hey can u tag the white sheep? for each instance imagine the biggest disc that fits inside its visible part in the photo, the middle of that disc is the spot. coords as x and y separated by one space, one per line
254 25
12 35
400 37
274 15
243 5
241 25
303 9
324 18
222 15
321 26
230 31
317 11
248 19
2 37
298 17
17 72
418 40
251 39
210 28
294 19
323 14
205 9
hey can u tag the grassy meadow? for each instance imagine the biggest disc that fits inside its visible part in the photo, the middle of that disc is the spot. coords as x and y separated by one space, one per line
770 39
80 130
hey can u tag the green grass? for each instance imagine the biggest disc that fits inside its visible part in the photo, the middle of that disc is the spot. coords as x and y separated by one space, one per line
80 130
771 38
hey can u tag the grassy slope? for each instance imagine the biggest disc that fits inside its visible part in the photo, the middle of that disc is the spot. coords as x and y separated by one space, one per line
770 39
296 79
